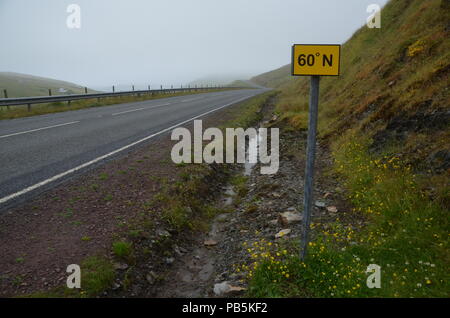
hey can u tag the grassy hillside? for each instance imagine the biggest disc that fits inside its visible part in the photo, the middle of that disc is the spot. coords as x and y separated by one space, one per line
393 88
23 85
386 121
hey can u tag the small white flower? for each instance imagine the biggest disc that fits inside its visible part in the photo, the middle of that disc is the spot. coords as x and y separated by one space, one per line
419 285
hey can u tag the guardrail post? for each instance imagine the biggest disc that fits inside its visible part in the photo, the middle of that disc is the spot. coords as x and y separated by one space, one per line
49 92
85 90
5 92
29 107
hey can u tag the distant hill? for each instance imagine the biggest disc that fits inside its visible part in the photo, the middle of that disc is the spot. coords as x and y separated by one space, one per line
219 79
23 85
244 83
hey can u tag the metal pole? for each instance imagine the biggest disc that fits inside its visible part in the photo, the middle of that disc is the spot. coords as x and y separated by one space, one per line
114 90
85 90
49 92
310 157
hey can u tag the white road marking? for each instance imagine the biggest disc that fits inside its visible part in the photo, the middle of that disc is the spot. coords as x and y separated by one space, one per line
191 100
89 163
128 111
38 129
135 110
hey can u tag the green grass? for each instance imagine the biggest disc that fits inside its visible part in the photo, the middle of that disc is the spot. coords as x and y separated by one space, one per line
97 275
40 109
123 250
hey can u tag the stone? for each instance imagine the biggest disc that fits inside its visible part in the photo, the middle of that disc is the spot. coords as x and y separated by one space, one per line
163 233
332 209
151 278
120 266
223 288
283 233
210 243
287 218
320 204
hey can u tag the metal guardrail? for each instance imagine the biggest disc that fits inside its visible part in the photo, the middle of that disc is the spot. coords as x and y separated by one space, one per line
68 98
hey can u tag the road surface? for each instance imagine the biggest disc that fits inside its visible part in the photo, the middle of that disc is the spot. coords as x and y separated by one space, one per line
36 153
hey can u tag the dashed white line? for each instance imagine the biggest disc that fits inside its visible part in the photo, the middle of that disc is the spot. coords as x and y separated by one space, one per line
63 174
137 109
191 100
38 129
128 111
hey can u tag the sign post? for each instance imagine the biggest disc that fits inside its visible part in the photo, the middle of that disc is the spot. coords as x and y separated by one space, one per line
314 61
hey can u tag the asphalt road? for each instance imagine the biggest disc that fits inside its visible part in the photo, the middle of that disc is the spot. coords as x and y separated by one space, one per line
36 153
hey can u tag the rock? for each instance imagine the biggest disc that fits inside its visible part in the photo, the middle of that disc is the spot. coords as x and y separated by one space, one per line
151 278
120 266
115 286
332 209
287 218
210 243
327 194
273 222
170 260
163 233
236 289
282 233
320 204
221 288
225 288
292 209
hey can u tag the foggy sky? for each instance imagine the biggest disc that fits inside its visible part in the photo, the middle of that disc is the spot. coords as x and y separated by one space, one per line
166 41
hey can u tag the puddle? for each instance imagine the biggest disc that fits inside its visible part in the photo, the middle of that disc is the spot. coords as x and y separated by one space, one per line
228 195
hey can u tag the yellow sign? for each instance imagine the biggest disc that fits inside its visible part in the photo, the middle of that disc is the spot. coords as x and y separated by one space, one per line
318 59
